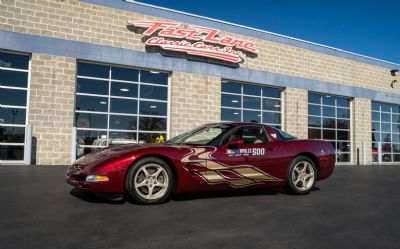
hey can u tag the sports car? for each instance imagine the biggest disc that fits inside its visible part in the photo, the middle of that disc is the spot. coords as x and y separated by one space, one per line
217 156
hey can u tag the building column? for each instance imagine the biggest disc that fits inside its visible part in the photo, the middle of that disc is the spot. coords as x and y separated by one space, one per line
51 108
195 100
362 129
295 111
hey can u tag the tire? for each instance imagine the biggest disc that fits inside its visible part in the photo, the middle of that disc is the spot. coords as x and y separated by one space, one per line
149 181
302 176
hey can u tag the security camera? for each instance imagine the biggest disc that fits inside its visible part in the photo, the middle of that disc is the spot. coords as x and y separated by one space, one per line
394 71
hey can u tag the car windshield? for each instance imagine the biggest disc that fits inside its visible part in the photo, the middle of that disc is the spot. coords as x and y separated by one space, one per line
201 135
284 136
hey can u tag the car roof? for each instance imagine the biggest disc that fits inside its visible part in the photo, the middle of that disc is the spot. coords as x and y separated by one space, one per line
238 123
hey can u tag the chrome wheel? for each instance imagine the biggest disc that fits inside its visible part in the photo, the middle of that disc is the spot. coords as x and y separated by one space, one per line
151 181
303 176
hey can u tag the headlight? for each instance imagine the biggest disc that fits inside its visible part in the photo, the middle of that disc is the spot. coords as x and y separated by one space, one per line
96 178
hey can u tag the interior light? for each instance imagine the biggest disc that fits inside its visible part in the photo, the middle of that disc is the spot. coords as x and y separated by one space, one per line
235 101
328 96
153 106
259 115
155 72
124 90
277 105
235 113
103 102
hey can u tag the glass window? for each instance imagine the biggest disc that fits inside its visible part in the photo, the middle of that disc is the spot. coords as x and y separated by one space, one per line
124 89
118 73
153 92
93 70
154 77
332 124
251 116
271 92
14 61
14 73
92 86
386 129
251 103
251 90
230 114
128 106
9 134
113 118
231 87
152 124
90 120
119 122
13 97
11 153
91 103
13 78
263 105
12 116
230 100
153 108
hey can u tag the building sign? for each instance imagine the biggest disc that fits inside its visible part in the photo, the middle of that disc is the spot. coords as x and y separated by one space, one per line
195 40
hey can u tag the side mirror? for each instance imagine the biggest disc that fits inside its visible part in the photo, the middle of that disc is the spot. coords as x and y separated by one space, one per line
235 142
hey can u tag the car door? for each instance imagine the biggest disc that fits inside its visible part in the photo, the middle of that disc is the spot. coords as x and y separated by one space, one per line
250 162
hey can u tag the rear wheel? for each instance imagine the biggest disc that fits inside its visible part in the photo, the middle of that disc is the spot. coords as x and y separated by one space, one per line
149 181
302 175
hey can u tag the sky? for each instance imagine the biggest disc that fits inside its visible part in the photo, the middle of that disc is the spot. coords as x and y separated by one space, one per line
367 27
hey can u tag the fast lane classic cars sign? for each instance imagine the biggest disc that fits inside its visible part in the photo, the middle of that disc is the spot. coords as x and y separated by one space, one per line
194 40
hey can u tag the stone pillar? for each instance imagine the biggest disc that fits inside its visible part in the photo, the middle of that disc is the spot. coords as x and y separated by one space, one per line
195 100
51 108
361 129
295 109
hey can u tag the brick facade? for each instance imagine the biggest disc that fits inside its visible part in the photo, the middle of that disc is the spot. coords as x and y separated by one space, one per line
51 107
295 111
194 98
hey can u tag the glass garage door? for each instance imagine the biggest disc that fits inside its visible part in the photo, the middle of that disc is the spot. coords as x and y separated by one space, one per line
117 105
14 74
329 119
249 102
386 130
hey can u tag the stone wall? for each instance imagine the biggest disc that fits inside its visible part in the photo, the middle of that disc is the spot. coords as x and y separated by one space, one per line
51 107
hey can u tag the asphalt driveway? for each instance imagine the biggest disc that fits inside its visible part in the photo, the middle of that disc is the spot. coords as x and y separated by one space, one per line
358 207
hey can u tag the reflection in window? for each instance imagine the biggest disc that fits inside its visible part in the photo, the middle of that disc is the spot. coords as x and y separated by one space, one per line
385 129
14 71
329 119
248 102
118 105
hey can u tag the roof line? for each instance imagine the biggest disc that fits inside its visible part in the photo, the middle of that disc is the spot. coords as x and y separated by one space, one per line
260 30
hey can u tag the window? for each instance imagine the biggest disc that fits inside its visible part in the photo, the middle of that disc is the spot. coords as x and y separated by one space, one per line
329 119
386 130
249 134
247 102
14 73
117 105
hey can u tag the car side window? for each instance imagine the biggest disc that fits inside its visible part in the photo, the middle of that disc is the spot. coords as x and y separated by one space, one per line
250 135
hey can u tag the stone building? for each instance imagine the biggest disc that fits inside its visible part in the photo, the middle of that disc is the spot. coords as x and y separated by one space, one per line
77 75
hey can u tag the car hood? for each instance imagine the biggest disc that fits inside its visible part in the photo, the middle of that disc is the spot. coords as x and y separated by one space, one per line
116 151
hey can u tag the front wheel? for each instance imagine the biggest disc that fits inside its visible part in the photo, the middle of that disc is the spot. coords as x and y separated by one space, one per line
301 176
149 181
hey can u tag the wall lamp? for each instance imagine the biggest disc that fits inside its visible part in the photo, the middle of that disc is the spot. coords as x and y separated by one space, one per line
393 72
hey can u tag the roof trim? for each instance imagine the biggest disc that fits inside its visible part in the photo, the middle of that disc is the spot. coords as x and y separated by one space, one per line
181 16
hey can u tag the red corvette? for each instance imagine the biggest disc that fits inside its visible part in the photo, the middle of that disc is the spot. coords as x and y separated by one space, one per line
217 156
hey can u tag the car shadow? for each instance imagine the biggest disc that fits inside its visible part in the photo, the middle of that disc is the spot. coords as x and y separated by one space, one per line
120 199
97 197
